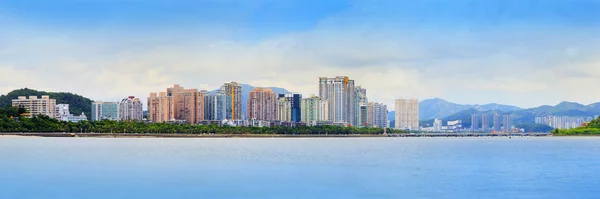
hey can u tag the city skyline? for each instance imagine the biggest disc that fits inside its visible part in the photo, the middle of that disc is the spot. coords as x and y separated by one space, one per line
397 49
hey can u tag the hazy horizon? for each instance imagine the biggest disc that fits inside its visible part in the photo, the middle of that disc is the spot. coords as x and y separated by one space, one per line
521 53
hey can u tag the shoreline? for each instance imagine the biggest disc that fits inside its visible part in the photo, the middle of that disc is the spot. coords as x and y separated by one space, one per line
135 135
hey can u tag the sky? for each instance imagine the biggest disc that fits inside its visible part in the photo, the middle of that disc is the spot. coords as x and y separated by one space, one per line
519 52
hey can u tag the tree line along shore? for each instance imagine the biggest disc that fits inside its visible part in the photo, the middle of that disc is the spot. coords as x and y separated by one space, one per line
12 121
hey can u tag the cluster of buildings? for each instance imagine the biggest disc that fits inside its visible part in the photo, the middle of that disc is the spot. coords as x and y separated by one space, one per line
128 109
563 122
340 102
48 107
501 123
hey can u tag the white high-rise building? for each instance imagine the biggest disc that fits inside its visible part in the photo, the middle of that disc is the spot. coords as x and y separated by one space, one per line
407 114
341 97
131 109
64 114
37 106
284 109
377 115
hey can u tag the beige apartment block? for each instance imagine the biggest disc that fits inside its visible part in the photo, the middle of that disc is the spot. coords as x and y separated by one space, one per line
37 106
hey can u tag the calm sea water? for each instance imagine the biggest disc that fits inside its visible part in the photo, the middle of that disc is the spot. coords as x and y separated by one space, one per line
79 168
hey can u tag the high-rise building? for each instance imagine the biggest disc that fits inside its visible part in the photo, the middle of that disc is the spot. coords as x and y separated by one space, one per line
233 91
377 115
437 125
284 109
407 114
497 122
187 104
215 106
130 108
507 123
105 111
363 103
484 123
295 104
340 95
475 122
313 110
364 115
37 106
161 107
262 104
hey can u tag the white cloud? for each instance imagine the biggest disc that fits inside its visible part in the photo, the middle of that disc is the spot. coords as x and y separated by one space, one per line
523 68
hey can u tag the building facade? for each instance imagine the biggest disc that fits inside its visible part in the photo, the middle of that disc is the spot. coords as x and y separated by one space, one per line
105 111
161 107
262 104
497 123
377 115
313 110
215 106
178 103
475 122
64 114
407 114
37 106
437 125
130 109
484 123
233 91
507 123
340 95
284 109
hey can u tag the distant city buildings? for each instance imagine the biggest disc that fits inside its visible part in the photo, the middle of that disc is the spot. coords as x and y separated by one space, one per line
262 105
105 111
407 114
37 106
563 122
130 109
340 94
437 125
295 101
161 107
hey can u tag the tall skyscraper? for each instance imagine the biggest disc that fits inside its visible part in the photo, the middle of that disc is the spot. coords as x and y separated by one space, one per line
262 104
484 123
363 103
497 122
313 110
339 93
161 107
215 106
295 104
475 122
407 114
131 109
37 106
233 90
105 111
507 123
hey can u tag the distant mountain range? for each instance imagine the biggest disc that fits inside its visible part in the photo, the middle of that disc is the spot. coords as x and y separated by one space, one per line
527 116
439 108
246 88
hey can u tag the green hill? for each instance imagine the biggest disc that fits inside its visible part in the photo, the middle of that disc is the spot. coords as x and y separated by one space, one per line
77 103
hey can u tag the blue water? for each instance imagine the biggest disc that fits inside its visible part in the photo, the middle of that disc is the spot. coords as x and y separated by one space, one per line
80 168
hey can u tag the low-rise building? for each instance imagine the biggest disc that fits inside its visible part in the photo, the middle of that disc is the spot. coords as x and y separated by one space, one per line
37 106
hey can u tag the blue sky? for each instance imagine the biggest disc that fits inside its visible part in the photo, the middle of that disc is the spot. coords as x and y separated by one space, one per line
520 52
